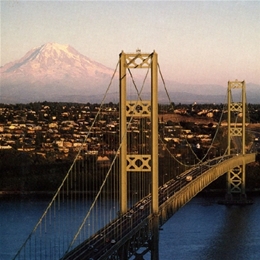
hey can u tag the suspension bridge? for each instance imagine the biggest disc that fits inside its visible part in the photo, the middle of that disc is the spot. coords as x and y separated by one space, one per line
113 208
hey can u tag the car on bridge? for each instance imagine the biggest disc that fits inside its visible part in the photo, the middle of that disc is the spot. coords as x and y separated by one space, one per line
188 178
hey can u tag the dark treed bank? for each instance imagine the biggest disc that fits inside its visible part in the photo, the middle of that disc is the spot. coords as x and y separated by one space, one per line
23 174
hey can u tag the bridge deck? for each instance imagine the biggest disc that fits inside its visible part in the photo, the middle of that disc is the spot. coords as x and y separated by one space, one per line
172 196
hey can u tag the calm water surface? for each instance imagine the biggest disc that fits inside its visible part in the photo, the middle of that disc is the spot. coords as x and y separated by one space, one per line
202 229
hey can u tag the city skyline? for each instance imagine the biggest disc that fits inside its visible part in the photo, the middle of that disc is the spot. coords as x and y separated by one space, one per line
198 42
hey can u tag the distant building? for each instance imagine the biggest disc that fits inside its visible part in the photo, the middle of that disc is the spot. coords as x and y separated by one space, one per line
103 161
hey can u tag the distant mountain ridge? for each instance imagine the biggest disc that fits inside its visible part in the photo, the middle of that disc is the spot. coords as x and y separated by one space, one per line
51 70
55 72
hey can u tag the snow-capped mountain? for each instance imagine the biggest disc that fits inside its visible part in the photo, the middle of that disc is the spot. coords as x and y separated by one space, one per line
52 70
55 72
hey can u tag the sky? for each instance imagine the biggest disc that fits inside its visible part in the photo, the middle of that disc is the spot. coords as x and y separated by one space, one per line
197 42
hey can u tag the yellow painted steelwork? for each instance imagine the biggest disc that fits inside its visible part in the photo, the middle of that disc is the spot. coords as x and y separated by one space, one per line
183 196
149 108
236 175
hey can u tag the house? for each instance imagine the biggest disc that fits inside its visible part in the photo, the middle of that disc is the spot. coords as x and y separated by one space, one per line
103 161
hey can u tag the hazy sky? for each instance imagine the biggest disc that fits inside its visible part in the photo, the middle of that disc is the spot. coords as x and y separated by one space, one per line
197 41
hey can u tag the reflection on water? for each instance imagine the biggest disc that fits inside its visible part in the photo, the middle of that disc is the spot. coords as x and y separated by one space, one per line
200 230
204 230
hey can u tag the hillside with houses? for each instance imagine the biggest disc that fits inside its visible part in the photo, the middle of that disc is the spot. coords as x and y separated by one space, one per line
42 139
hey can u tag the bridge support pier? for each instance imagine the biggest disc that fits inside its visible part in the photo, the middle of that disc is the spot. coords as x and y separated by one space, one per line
155 239
122 252
231 199
139 257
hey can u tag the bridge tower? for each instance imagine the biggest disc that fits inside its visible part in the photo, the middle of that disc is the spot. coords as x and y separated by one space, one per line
140 108
236 142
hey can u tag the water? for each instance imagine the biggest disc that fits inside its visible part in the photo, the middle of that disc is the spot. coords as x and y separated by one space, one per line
202 229
205 230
